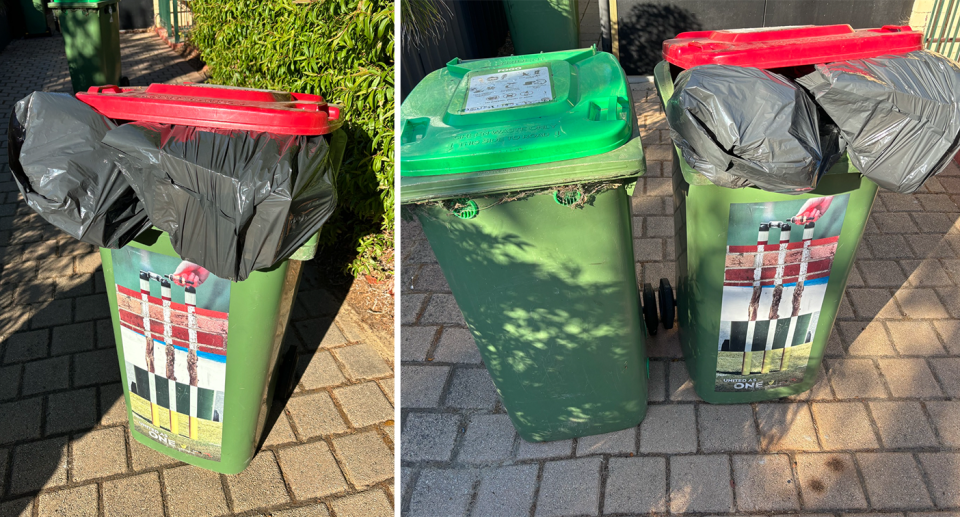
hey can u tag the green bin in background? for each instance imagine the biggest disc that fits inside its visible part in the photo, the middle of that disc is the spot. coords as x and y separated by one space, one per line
35 17
520 171
741 251
543 25
91 35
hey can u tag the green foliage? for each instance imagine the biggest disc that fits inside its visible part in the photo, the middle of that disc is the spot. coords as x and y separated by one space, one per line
342 50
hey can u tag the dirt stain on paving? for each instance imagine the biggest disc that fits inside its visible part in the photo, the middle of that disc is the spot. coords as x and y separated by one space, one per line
817 486
836 464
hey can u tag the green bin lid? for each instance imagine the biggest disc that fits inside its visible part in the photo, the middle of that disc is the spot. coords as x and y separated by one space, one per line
515 111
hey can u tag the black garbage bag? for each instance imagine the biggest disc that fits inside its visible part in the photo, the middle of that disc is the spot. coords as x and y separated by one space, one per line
899 115
67 175
232 201
743 127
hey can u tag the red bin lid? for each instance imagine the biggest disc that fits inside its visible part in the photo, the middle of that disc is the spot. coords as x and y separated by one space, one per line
221 107
776 47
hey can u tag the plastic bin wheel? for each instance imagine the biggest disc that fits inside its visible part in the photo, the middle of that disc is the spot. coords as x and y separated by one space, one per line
667 304
650 309
124 81
286 381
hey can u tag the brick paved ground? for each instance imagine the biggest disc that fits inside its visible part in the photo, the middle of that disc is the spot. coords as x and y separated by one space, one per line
64 445
879 433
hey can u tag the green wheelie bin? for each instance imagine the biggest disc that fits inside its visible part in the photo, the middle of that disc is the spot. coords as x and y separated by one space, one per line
199 353
520 171
34 17
543 25
760 275
91 36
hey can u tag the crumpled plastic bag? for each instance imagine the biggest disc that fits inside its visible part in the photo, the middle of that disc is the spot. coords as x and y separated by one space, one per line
743 127
232 201
67 175
899 115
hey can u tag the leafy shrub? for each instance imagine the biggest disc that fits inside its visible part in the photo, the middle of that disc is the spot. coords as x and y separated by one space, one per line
342 50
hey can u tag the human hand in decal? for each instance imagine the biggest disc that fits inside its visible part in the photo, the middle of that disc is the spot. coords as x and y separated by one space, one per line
812 210
189 274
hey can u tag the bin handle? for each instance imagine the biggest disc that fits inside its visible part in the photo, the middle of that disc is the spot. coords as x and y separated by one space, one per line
333 111
101 89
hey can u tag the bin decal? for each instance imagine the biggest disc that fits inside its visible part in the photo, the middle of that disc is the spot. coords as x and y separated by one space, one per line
174 348
778 261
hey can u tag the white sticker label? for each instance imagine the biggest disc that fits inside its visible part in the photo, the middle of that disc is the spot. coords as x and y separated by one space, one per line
509 89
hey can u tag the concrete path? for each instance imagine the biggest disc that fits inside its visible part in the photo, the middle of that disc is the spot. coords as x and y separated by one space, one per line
879 434
64 445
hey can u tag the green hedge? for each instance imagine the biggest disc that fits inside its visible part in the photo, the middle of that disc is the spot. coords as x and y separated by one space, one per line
342 50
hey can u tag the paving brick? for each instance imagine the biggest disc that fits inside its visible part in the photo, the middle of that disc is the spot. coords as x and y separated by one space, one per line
644 205
429 436
98 367
133 496
570 487
311 470
909 378
882 273
669 429
430 278
37 465
843 426
143 457
35 292
314 510
727 428
927 273
416 341
320 372
24 346
544 450
617 442
91 308
941 469
636 486
666 344
410 307
315 415
422 385
786 427
320 333
442 309
71 411
99 454
950 296
700 484
930 245
947 371
471 388
193 492
915 338
105 334
364 404
422 253
873 303
893 223
456 345
855 378
937 202
74 502
48 314
488 438
259 485
920 304
945 416
657 383
372 503
362 362
281 432
388 388
506 491
442 492
902 424
68 339
647 249
765 483
888 246
46 375
829 480
17 508
893 481
681 387
22 420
